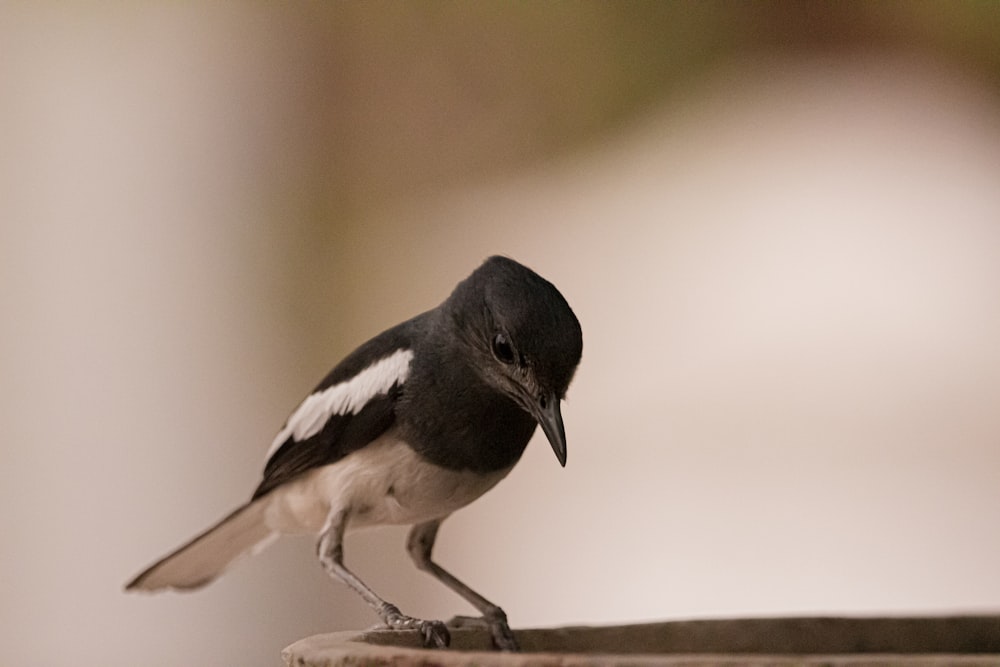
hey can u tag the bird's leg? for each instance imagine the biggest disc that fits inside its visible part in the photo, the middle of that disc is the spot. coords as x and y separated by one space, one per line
331 555
420 544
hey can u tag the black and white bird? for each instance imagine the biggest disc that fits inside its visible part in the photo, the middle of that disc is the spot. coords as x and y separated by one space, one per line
414 424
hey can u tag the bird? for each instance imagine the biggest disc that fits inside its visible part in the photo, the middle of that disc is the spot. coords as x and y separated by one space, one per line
411 426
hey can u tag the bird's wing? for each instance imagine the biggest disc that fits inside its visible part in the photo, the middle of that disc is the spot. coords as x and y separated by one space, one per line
353 405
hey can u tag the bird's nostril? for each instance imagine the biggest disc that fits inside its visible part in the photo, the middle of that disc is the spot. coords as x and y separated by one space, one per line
542 401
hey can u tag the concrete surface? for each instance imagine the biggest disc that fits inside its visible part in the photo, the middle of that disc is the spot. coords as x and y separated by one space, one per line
962 640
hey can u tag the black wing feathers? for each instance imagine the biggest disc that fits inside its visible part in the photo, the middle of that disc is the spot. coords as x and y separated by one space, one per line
399 337
343 434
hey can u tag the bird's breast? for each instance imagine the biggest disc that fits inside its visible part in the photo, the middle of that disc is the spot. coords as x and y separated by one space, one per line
475 429
386 482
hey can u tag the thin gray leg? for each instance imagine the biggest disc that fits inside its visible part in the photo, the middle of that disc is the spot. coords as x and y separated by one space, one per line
331 555
420 544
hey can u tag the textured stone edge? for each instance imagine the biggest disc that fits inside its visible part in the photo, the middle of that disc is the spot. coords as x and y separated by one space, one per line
347 649
470 644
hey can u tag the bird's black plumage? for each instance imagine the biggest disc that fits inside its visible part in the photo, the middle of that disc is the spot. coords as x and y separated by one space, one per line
344 433
413 424
491 435
447 411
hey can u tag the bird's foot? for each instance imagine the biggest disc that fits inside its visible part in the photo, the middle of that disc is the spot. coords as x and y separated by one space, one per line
496 623
503 637
433 634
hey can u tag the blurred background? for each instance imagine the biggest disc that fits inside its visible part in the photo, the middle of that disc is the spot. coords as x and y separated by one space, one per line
778 222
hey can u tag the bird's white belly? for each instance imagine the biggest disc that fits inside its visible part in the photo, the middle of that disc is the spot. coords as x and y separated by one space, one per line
386 482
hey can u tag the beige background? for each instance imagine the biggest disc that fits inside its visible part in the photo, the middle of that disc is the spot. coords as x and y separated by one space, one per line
780 229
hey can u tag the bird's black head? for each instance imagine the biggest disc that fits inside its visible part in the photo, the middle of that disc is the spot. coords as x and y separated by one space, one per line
521 336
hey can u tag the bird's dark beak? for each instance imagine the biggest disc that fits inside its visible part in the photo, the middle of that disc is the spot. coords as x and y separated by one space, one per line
550 418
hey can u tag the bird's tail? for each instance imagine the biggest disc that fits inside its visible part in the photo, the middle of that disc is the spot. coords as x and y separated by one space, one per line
206 556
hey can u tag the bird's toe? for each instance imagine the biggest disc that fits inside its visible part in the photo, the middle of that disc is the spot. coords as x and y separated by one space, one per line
434 634
503 637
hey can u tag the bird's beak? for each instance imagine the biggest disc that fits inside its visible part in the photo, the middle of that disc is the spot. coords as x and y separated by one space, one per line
546 411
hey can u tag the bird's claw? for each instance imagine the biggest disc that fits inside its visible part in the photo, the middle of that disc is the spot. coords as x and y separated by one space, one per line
503 638
500 633
433 634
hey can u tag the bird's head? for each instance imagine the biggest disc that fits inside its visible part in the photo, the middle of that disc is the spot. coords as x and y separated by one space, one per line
523 339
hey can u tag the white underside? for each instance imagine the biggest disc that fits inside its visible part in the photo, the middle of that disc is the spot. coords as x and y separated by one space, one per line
386 482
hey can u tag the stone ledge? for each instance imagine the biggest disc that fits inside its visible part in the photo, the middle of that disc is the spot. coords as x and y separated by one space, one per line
958 640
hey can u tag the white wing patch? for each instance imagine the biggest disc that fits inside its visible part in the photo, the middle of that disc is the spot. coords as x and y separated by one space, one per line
347 397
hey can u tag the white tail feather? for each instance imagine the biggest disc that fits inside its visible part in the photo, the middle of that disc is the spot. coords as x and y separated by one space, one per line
206 556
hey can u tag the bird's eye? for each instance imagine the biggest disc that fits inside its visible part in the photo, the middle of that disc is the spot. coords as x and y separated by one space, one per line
502 349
